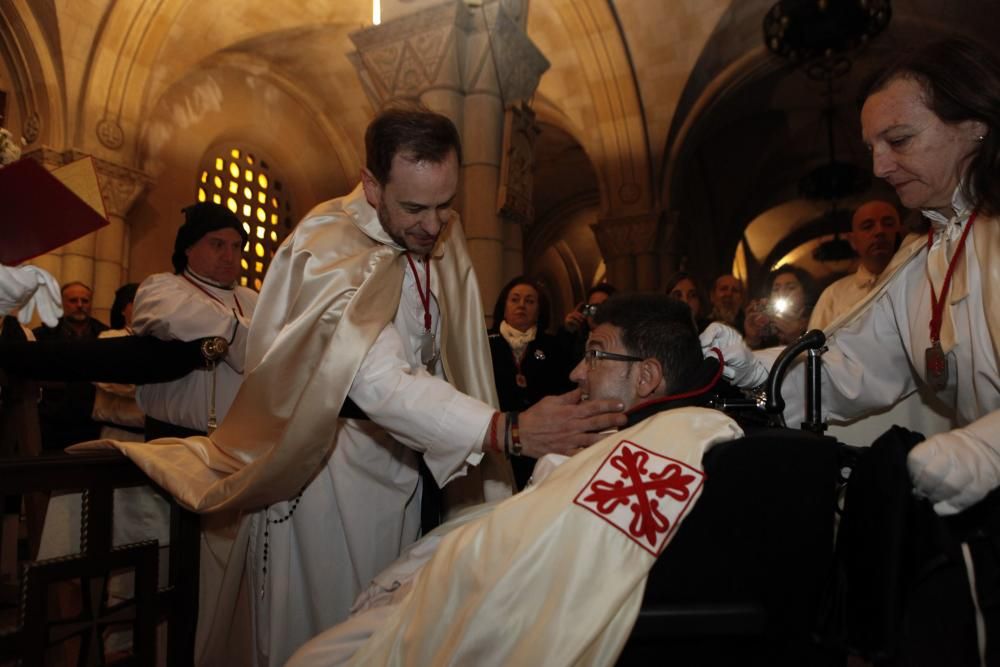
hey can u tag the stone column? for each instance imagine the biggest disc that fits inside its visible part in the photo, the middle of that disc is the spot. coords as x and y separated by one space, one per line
467 63
514 199
120 187
629 248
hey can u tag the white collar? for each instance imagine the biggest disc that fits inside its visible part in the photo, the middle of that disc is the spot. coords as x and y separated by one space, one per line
208 282
959 204
863 277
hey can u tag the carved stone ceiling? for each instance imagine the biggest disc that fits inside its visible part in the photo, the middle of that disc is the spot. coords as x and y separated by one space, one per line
664 94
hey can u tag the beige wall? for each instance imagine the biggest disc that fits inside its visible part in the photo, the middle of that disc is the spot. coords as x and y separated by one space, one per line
223 105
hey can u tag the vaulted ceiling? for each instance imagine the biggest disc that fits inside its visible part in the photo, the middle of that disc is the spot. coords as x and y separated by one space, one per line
669 109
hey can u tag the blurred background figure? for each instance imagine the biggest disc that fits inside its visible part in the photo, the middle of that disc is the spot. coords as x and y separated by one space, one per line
528 362
783 314
683 287
114 404
727 301
579 321
875 230
65 408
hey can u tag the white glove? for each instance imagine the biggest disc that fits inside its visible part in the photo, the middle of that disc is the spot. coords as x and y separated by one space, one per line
742 368
954 470
27 287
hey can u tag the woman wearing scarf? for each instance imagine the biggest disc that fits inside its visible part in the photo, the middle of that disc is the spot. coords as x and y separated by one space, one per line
528 364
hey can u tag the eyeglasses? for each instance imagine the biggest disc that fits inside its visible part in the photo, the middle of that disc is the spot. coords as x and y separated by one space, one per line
592 356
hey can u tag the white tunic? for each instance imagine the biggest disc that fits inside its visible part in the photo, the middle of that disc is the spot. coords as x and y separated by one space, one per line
363 507
841 296
873 361
869 358
184 307
921 411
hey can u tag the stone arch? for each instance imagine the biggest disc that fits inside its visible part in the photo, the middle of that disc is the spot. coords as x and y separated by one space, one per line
141 49
228 99
597 89
29 46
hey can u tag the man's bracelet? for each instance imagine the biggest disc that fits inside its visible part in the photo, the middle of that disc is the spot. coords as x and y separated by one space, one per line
494 443
515 435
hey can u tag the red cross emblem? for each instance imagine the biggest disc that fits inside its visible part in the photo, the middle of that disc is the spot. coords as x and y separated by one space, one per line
641 493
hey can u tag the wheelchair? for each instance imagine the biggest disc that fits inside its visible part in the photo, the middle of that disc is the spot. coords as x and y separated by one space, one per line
759 575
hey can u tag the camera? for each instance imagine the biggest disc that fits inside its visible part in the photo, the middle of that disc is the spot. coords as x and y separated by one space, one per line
588 309
779 306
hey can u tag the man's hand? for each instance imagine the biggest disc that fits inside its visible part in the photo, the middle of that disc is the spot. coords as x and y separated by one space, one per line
574 320
561 424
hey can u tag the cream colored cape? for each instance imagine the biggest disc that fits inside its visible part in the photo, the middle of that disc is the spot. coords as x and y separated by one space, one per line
330 290
543 579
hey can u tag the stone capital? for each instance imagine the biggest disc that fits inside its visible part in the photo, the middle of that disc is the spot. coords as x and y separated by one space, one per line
626 236
451 46
120 186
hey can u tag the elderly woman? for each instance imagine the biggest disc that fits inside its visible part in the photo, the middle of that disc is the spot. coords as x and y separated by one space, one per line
783 314
932 122
528 363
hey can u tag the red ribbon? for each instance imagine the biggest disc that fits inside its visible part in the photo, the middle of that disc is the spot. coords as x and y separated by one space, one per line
937 306
425 297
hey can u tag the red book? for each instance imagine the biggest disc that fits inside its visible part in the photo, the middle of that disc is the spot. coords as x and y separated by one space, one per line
40 211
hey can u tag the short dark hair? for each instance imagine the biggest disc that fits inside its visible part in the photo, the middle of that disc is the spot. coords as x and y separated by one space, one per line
124 295
961 81
654 325
606 288
809 287
684 275
414 132
543 302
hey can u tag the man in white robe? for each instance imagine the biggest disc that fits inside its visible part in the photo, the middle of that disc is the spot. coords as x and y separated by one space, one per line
200 299
338 316
363 506
497 585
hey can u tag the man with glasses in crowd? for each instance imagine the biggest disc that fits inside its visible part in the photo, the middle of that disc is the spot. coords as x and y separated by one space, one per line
507 561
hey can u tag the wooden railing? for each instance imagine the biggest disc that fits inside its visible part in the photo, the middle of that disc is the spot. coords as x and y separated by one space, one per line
42 633
57 611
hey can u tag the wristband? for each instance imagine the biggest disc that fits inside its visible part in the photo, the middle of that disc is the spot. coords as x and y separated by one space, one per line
494 444
515 435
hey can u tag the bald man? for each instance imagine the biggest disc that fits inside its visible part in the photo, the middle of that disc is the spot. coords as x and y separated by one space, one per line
875 230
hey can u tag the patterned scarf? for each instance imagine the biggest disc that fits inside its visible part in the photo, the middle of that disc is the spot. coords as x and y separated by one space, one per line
518 340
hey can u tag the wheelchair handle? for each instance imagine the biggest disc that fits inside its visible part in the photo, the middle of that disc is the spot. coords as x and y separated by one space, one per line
810 340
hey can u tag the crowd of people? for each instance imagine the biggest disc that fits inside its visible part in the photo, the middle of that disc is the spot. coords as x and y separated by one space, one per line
359 379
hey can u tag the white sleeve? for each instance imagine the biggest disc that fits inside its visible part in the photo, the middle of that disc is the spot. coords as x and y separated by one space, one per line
419 410
166 308
865 368
27 287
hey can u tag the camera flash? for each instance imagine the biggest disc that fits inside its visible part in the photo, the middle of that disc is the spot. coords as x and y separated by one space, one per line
781 305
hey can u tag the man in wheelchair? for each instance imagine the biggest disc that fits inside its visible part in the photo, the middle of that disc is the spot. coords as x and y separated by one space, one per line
557 574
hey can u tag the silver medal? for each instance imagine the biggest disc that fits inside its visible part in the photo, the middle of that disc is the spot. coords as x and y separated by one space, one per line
427 355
